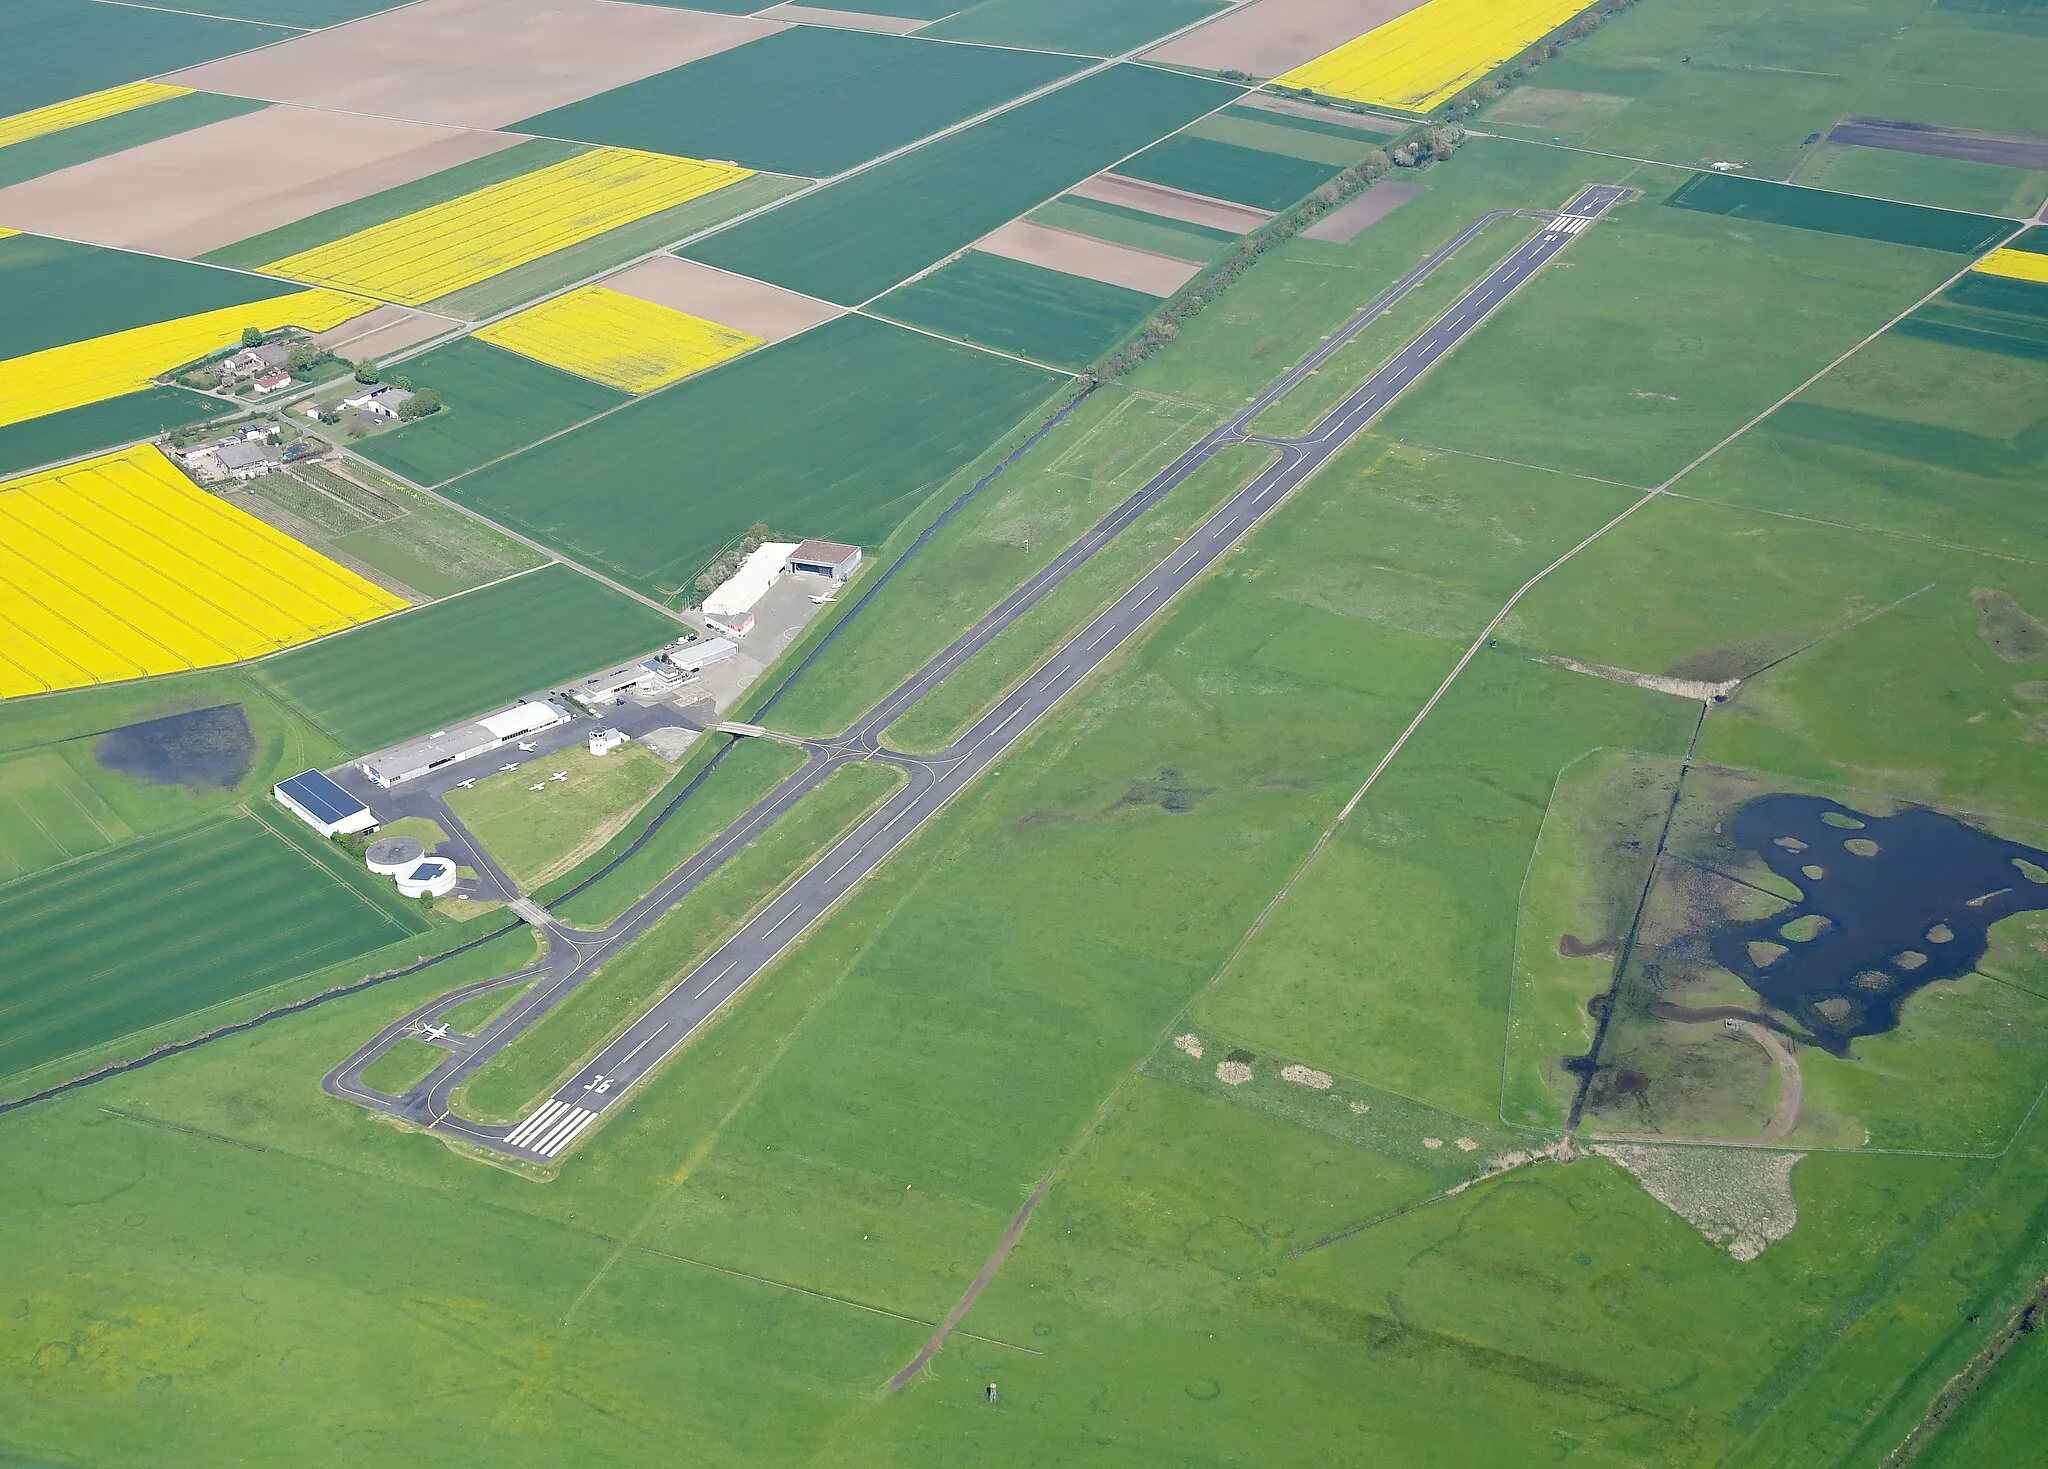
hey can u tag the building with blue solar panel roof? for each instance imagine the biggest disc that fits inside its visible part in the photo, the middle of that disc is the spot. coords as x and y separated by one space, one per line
322 804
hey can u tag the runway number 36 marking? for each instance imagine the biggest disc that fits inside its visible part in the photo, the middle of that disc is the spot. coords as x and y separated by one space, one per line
599 1084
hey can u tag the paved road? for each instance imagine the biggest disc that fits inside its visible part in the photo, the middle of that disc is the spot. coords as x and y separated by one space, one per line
933 781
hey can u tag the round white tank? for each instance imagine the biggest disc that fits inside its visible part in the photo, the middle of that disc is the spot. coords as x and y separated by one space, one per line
389 856
434 877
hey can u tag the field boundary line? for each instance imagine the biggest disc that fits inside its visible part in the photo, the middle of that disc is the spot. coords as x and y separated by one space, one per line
939 336
270 25
1853 528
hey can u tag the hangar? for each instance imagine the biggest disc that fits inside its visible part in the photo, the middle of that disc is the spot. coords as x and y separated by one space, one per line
410 761
322 804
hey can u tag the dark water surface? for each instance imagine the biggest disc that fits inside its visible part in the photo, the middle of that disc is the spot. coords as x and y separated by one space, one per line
206 749
1891 903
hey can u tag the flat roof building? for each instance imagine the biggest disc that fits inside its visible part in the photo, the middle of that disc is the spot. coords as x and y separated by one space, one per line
700 655
322 804
410 761
608 687
825 558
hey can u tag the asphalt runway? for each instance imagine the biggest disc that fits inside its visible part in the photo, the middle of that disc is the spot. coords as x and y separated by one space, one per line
574 1110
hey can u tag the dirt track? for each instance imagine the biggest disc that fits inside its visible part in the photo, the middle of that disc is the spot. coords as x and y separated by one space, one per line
476 63
200 190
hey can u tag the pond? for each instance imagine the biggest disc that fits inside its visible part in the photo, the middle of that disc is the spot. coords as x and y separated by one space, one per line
204 749
1889 904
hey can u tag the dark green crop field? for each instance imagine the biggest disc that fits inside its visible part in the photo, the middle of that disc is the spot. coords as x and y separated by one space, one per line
865 234
840 432
807 101
34 157
495 402
53 50
461 656
1839 214
1091 27
1228 171
155 929
1990 313
1046 315
381 208
100 425
53 292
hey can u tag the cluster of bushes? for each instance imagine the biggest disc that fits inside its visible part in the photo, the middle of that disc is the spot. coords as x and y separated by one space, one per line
1426 147
726 562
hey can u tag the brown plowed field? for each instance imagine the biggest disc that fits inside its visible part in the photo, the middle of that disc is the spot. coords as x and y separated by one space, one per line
768 312
1114 188
197 191
477 63
1272 36
386 330
1082 255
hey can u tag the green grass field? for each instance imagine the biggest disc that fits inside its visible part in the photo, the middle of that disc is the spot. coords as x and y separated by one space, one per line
53 292
59 49
1947 183
389 204
840 432
149 931
1664 330
369 517
50 814
79 431
1269 1272
861 236
537 834
34 157
754 768
495 403
808 101
1749 82
1228 170
1046 315
558 1044
460 657
1090 27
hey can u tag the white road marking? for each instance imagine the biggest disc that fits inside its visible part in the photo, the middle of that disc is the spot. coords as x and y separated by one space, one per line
544 1114
650 1039
572 1121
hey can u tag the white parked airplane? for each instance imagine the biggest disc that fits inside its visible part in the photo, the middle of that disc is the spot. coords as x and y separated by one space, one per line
539 785
823 597
503 768
528 745
559 775
466 784
434 1032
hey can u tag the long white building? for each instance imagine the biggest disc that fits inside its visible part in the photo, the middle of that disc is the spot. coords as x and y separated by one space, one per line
730 609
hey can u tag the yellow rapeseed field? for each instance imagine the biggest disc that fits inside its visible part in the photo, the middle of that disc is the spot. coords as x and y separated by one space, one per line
58 116
2020 265
414 259
120 567
1420 60
618 340
123 362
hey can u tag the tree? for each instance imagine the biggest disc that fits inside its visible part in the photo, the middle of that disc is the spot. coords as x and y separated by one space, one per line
404 383
425 401
366 370
303 355
252 336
